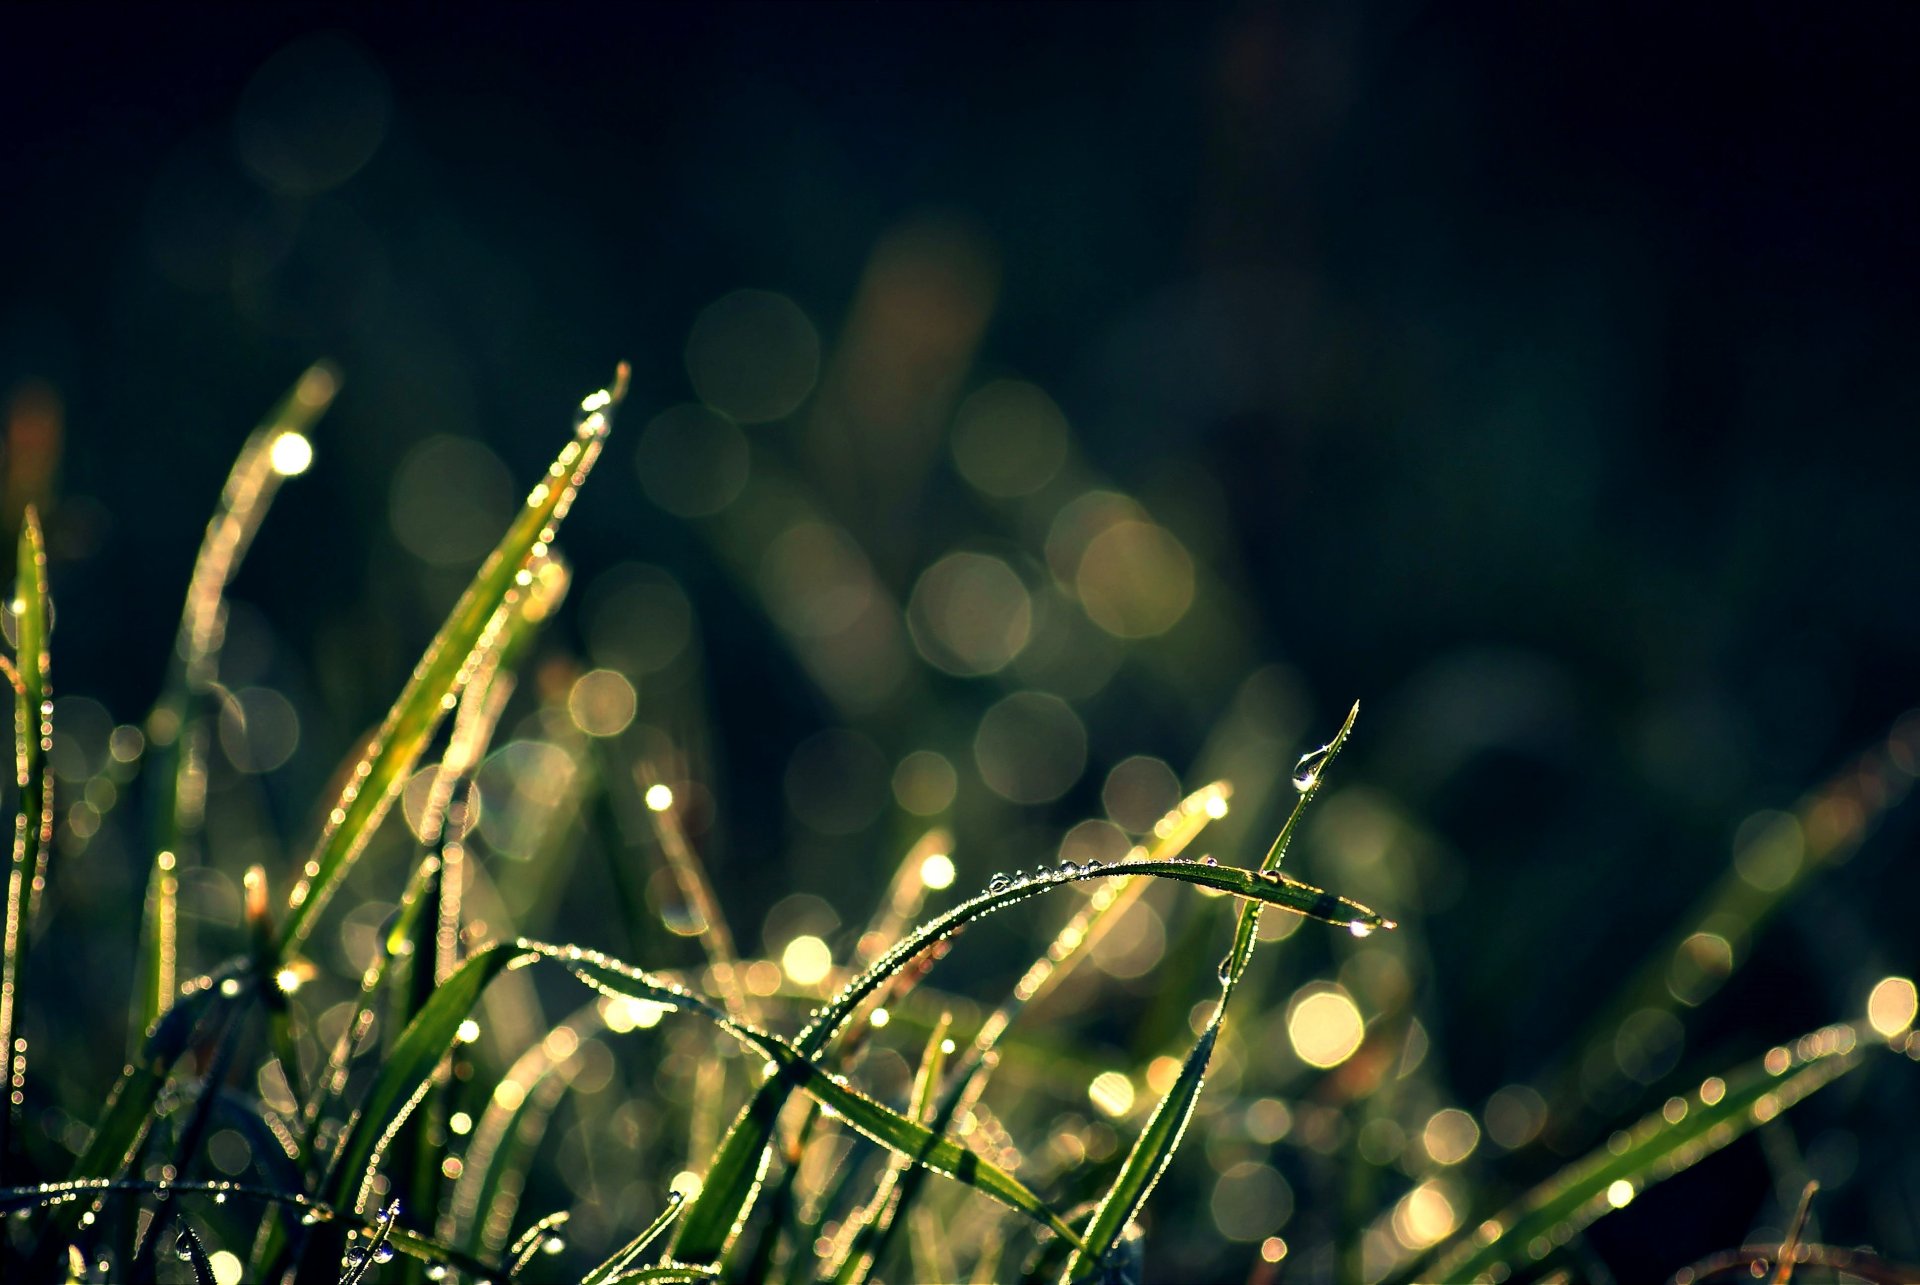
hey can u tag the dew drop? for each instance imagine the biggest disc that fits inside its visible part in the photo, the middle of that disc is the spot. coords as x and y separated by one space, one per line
1093 863
1306 772
999 883
437 1272
1359 929
553 1245
1069 868
383 1254
1209 861
1225 971
355 1257
183 1248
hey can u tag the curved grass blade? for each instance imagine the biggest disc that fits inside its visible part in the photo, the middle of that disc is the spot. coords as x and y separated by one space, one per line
740 1163
611 1269
522 1251
275 450
1658 1147
669 1274
1149 1157
795 1070
33 823
914 1141
1073 944
445 669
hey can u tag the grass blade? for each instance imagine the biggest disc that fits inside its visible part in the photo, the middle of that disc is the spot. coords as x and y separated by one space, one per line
740 1162
696 892
1149 1157
130 1109
516 1115
863 1237
612 1268
275 450
444 671
407 1071
1659 1146
187 1245
33 824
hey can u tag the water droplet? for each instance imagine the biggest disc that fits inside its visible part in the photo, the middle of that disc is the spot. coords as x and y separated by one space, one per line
1093 863
1069 868
183 1248
384 1254
999 883
553 1245
356 1256
1225 971
437 1272
1306 772
1359 929
1209 861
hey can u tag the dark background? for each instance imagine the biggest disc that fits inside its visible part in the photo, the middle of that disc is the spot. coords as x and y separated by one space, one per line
1547 375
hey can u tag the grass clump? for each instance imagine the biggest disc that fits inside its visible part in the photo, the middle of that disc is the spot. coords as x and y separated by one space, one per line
396 1132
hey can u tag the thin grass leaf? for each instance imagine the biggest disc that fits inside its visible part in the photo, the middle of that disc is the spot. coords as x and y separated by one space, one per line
696 891
1796 1232
1658 1147
532 1239
130 1109
483 611
905 1137
482 1208
669 1274
30 613
406 1072
1073 944
862 1238
187 1247
275 450
794 1070
1149 1157
611 1269
1763 875
741 1161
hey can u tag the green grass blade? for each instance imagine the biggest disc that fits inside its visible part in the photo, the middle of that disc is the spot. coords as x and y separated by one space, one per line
1149 1157
176 727
445 669
668 1274
33 824
740 1162
130 1108
611 1269
516 1115
187 1245
407 1071
1658 1147
864 1236
913 1140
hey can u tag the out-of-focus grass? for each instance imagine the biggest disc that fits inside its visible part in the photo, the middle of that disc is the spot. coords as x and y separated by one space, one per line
836 1104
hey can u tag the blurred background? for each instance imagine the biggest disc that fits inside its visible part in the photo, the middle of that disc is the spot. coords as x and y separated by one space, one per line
1037 412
